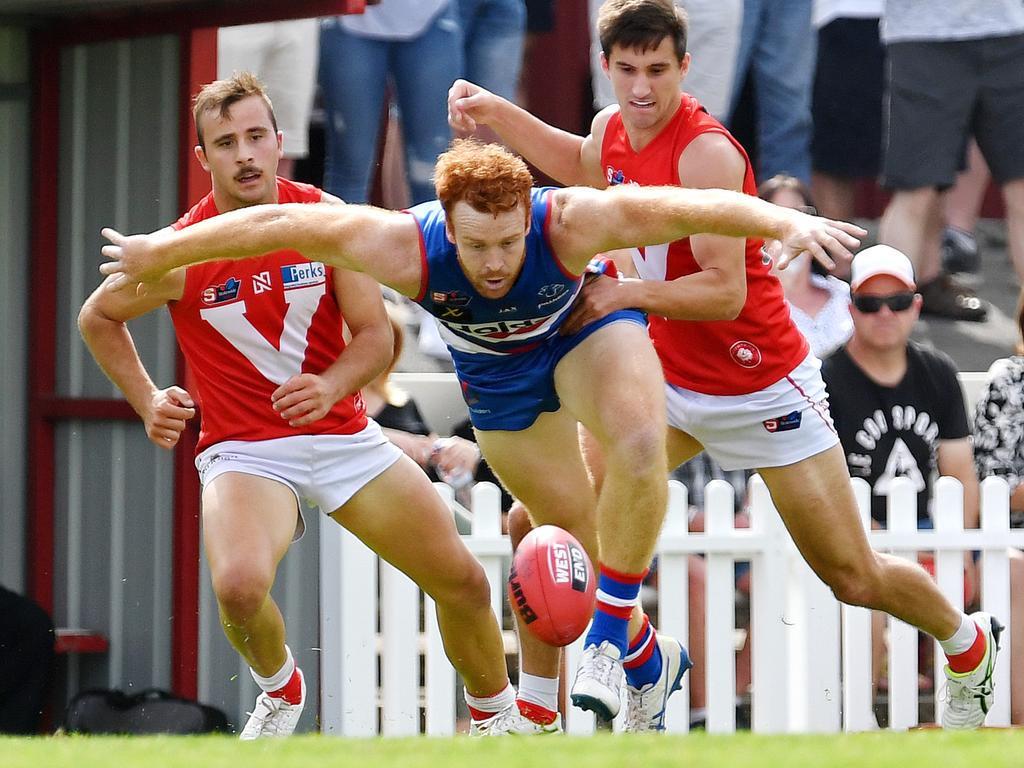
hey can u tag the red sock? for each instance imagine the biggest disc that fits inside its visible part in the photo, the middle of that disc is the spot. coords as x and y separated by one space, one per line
290 691
535 713
969 660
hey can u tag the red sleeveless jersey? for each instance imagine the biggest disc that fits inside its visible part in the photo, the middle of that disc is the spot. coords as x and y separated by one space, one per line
722 357
246 327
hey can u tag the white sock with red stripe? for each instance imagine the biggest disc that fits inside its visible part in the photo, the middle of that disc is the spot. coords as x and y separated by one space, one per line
538 698
485 707
285 684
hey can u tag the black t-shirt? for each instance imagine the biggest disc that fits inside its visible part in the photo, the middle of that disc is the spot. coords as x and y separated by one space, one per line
890 432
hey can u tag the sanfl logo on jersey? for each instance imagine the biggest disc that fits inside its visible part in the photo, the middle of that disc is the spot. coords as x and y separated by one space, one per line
300 275
218 294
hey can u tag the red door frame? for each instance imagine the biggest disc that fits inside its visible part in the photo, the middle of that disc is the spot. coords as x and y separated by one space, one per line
195 25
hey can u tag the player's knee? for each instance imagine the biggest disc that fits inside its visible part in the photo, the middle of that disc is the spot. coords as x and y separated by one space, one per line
241 590
856 584
466 589
639 452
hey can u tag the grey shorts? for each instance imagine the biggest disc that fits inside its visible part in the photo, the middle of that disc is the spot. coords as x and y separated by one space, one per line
938 95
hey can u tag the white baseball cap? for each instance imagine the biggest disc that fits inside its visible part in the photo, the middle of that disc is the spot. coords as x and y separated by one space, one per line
881 260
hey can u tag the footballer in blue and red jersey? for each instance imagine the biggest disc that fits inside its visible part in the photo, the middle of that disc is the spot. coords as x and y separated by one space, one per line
505 350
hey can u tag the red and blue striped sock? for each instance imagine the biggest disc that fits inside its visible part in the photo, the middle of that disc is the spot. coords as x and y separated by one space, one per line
643 657
617 593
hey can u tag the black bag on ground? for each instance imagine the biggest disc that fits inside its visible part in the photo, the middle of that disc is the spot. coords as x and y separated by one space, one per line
151 711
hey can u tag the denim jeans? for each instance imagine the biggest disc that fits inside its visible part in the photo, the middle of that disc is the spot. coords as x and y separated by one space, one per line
354 73
493 31
778 44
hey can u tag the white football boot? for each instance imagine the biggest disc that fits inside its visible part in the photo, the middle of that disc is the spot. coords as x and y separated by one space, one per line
510 721
645 706
273 717
969 694
599 680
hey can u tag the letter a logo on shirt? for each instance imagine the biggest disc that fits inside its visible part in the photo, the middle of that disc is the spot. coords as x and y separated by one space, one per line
901 463
277 364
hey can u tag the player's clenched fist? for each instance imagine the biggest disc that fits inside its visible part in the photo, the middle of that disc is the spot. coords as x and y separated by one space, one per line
165 418
468 104
304 399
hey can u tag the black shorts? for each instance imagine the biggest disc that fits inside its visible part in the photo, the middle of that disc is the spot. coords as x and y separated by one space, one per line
939 95
847 103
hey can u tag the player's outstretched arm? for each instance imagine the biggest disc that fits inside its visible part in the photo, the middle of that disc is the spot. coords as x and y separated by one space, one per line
589 221
383 244
564 156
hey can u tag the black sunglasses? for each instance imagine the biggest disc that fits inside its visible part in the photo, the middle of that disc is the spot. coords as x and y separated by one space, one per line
897 302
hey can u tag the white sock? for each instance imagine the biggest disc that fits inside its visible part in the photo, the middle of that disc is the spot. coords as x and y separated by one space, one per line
499 701
277 680
542 691
963 638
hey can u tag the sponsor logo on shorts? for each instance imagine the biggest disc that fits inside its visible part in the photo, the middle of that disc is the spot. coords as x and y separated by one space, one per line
301 275
469 395
746 354
785 423
218 294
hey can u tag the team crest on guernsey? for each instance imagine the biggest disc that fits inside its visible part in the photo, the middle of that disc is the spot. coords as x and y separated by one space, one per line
218 294
745 354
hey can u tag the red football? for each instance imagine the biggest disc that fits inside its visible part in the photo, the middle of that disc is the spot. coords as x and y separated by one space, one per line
551 585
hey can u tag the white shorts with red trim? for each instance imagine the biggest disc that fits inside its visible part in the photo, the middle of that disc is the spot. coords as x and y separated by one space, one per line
779 425
325 471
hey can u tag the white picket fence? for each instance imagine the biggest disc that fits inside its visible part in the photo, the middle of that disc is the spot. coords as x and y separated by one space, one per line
811 656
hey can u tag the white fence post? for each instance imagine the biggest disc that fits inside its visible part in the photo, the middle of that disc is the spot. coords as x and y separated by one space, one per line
720 606
768 626
995 584
903 694
674 598
948 515
858 712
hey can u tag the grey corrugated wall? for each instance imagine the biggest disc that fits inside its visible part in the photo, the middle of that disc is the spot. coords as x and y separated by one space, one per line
15 289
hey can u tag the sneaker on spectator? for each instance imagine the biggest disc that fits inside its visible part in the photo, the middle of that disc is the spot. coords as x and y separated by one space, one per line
599 680
960 251
946 297
273 717
969 694
645 706
510 721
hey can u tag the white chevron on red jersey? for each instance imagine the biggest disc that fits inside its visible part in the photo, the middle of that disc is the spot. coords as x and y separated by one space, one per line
246 327
723 357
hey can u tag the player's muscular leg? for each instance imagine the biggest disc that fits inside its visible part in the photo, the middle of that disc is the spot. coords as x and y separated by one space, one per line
541 466
816 502
612 382
248 523
400 516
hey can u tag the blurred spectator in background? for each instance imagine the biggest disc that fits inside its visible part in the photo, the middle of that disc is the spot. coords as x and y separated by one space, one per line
963 208
26 663
416 46
283 55
846 143
999 425
493 34
777 50
818 302
713 42
954 69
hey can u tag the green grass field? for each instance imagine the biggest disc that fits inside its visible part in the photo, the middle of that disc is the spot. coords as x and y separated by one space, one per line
921 749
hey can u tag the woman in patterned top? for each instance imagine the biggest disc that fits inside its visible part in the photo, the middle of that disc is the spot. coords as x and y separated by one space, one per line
999 424
818 302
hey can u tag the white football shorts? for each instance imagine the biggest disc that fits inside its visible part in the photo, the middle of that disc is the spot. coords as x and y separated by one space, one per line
323 470
779 425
